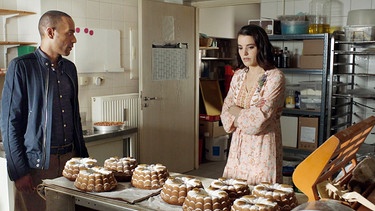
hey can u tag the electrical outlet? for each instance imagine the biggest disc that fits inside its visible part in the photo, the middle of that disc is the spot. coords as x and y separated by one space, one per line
83 81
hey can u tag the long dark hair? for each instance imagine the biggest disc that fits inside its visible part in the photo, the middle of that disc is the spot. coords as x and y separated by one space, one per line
264 46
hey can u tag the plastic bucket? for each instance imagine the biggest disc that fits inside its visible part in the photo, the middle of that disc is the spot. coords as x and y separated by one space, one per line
216 149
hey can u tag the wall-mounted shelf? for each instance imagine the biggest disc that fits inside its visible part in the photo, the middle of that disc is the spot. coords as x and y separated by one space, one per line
216 58
16 43
208 48
15 13
6 14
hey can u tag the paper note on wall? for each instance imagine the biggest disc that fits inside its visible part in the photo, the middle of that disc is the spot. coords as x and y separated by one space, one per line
97 50
308 134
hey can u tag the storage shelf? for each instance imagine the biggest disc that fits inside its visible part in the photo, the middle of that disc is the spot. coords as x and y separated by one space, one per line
302 112
16 43
355 42
15 12
216 58
291 37
363 53
6 14
343 64
356 74
302 71
321 113
208 48
355 96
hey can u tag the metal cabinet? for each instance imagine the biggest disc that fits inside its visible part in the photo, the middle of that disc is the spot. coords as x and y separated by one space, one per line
350 95
321 72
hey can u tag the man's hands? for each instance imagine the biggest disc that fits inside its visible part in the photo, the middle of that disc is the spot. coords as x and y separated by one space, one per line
25 184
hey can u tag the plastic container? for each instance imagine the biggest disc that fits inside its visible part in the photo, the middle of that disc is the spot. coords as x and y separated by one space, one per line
294 27
294 24
361 17
25 49
216 149
360 33
311 102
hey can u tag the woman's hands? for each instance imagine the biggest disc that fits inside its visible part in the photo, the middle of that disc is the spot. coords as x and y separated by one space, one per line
235 111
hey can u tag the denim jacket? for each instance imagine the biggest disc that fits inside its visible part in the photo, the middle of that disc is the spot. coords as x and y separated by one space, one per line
26 116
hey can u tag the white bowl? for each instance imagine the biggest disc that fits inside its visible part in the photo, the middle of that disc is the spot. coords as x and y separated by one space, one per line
362 17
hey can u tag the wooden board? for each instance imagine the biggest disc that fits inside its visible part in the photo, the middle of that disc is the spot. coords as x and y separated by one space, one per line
211 95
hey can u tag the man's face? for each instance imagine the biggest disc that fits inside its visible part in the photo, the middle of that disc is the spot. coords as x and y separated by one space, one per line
64 38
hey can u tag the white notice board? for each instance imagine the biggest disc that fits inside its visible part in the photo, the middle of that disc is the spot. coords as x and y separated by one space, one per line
97 50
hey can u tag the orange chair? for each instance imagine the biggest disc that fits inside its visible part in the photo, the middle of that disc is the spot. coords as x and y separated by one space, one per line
336 155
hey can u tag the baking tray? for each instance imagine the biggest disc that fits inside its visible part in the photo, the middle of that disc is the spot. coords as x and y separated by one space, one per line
109 127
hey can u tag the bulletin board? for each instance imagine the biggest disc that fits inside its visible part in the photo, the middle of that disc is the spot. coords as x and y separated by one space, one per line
97 50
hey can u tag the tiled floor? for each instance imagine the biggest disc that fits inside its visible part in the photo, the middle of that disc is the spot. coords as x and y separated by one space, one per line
209 169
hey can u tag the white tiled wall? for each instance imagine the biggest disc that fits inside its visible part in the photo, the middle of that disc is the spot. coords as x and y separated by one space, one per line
108 14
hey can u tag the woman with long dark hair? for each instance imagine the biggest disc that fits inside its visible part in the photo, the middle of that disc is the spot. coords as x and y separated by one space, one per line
252 110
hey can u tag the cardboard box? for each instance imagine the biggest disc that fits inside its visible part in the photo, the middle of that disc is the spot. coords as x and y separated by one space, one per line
313 47
215 129
271 26
289 131
308 133
311 62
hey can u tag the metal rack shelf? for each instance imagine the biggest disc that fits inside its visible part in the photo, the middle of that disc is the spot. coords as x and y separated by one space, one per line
344 69
322 113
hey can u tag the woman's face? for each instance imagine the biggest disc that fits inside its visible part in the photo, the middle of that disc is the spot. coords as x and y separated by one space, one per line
248 50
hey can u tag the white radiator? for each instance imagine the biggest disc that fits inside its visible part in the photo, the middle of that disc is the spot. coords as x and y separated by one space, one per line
122 108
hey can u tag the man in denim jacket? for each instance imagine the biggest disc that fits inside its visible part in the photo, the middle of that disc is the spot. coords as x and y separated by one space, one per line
40 122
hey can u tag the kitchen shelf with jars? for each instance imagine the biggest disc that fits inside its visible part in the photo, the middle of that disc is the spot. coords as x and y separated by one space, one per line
307 98
7 14
350 95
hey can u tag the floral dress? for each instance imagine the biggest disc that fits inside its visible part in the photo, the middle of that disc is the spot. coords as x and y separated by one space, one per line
255 152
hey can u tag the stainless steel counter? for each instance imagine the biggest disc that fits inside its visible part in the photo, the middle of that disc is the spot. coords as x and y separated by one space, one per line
89 134
127 134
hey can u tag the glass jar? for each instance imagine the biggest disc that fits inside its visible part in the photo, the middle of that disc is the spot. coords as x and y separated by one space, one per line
319 13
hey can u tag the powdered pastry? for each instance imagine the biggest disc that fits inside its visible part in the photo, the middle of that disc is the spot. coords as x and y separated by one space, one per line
253 203
95 179
283 194
149 176
121 167
207 199
175 189
74 165
234 187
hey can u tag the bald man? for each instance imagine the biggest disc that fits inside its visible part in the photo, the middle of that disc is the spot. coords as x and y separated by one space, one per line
40 122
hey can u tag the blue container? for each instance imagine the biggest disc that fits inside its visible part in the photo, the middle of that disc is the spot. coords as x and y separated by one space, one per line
294 27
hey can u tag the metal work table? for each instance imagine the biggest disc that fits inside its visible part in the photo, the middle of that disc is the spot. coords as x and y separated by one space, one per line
64 198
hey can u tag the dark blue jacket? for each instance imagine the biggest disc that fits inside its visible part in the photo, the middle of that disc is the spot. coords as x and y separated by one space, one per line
27 113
